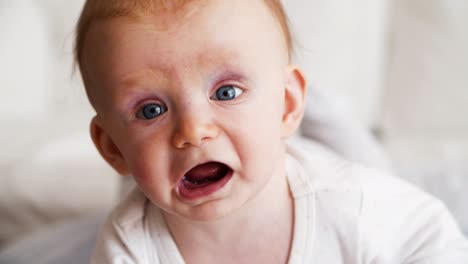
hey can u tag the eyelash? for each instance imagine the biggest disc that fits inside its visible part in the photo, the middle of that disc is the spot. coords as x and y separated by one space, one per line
145 114
237 92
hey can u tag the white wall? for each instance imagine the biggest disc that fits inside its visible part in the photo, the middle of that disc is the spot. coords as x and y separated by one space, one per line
341 46
427 89
25 63
39 96
425 112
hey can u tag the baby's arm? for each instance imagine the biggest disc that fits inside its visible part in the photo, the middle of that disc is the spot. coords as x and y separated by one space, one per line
405 225
437 240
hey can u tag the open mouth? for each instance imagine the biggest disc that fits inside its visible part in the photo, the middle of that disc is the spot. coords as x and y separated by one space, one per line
204 179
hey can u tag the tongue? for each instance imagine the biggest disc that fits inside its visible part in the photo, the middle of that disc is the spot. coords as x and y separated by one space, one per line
204 180
204 171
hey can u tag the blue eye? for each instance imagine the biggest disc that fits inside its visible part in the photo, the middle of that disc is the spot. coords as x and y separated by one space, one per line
151 111
227 92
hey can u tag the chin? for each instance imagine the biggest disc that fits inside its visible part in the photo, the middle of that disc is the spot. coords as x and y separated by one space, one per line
209 212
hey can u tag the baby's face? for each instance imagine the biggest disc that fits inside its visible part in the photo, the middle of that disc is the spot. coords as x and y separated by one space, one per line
192 106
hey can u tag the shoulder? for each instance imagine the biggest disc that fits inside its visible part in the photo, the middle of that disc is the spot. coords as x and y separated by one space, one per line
373 212
123 238
411 225
327 174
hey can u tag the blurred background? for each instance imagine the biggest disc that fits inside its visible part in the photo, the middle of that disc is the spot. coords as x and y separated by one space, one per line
399 66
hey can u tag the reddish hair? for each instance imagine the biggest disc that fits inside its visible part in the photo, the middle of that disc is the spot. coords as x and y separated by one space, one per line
95 10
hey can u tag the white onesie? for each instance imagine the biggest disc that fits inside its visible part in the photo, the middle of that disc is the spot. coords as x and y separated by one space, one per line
344 213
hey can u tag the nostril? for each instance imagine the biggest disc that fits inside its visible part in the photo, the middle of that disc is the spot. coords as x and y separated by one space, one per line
204 139
194 134
188 141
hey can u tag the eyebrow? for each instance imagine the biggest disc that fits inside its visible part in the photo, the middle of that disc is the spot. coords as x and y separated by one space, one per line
229 72
132 79
134 88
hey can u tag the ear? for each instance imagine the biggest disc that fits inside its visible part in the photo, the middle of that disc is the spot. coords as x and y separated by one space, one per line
106 147
294 101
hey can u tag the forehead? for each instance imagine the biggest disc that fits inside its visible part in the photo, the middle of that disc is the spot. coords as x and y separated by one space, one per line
206 33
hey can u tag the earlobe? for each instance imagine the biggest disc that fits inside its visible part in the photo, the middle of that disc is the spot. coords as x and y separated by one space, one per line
294 101
106 147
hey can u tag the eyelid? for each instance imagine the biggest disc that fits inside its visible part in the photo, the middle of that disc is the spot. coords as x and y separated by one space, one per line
229 77
236 88
140 99
138 111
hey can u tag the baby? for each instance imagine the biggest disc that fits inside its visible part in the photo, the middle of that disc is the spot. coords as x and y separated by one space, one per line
195 100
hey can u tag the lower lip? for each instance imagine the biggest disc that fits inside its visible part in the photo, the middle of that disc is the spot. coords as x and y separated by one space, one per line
196 193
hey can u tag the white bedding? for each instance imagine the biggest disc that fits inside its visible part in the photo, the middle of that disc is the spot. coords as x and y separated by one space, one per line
70 242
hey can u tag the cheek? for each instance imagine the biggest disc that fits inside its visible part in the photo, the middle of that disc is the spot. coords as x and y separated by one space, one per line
266 115
149 168
258 137
141 161
259 119
265 131
147 157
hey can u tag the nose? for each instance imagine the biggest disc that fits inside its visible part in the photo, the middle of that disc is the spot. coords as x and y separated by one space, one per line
193 130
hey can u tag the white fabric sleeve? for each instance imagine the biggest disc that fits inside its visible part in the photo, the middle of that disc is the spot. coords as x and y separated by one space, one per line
122 239
110 248
438 240
405 225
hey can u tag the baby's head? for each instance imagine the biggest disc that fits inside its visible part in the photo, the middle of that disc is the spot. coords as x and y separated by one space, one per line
194 99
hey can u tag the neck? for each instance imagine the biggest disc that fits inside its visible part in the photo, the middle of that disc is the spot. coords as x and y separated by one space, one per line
263 227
